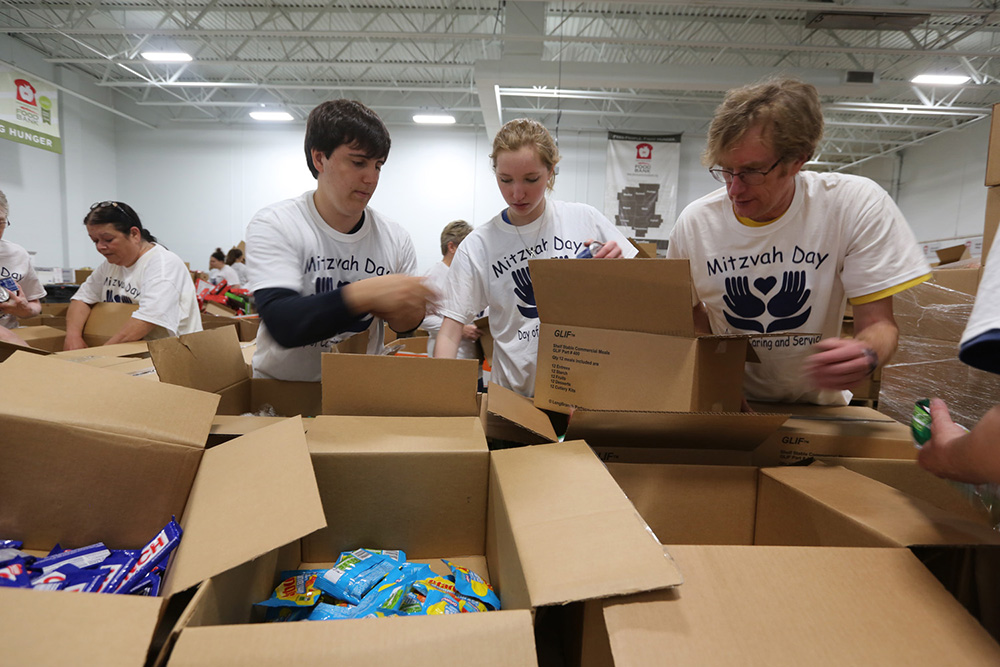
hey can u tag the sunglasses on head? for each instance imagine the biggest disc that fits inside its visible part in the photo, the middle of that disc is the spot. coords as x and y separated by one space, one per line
120 207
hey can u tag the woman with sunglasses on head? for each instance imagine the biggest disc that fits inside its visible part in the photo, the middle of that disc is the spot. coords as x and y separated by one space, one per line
137 270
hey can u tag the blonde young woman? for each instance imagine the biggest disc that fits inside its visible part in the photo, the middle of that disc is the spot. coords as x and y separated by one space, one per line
491 265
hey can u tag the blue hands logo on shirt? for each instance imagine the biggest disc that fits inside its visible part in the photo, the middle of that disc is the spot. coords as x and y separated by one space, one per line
525 291
111 297
785 306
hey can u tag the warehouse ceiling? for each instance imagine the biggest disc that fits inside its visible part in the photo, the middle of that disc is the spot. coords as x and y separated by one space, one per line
633 67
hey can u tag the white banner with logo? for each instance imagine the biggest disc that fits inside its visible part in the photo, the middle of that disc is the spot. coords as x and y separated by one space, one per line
29 110
640 194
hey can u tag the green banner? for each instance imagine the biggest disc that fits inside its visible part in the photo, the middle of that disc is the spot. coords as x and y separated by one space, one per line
29 110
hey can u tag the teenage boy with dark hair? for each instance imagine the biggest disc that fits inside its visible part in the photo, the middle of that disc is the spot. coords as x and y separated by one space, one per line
324 266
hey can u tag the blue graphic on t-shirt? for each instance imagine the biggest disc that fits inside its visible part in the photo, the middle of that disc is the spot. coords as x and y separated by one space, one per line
785 305
525 291
111 297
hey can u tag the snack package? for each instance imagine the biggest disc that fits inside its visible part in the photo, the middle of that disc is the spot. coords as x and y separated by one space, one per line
355 573
471 585
297 589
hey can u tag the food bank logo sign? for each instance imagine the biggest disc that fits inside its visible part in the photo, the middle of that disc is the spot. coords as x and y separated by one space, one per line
640 193
29 110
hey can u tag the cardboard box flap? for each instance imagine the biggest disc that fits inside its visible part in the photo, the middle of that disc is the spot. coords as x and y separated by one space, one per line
60 628
251 495
342 434
106 319
952 253
792 606
417 641
510 416
647 295
138 349
7 349
571 522
877 508
49 388
735 431
209 360
836 413
361 384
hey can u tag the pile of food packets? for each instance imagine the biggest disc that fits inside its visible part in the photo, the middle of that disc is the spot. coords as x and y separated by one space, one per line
373 583
91 569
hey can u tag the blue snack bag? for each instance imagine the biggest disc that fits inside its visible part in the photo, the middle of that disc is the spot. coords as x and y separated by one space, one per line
297 589
471 585
355 573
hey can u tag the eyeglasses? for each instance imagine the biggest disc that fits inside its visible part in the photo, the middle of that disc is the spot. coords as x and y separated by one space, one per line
120 207
748 177
4 222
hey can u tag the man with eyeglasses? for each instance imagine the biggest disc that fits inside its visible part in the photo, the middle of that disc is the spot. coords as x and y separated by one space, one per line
780 250
16 266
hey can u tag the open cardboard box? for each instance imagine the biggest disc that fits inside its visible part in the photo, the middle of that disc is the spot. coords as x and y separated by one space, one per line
535 521
617 335
803 506
246 325
826 430
213 361
794 606
112 461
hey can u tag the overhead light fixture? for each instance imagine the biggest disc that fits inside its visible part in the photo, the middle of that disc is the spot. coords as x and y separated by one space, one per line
941 79
166 56
434 118
271 115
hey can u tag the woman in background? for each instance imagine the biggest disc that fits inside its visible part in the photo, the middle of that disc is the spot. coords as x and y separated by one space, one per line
137 270
221 271
236 259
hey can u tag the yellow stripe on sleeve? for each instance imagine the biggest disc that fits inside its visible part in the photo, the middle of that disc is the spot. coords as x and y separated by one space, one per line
889 291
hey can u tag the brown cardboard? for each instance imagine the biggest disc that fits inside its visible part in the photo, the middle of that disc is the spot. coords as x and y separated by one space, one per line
213 361
992 220
910 478
485 340
597 350
75 463
359 384
107 319
965 280
681 430
509 416
80 275
388 641
817 430
952 253
796 606
993 151
856 511
534 521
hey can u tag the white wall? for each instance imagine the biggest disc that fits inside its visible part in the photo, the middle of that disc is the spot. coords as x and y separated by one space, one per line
941 190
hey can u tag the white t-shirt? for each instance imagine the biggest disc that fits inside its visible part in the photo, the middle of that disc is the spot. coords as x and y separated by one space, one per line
158 281
436 279
241 272
290 246
841 238
15 262
491 269
227 273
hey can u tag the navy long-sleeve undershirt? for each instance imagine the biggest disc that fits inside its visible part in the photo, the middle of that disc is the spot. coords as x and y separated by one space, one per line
294 320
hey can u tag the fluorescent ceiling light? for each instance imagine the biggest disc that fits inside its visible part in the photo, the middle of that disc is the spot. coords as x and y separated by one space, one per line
271 115
166 56
941 79
433 118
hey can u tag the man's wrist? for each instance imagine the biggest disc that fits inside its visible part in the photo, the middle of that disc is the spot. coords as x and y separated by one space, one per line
872 357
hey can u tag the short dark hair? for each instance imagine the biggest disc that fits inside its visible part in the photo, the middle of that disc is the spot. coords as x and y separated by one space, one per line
119 214
338 122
